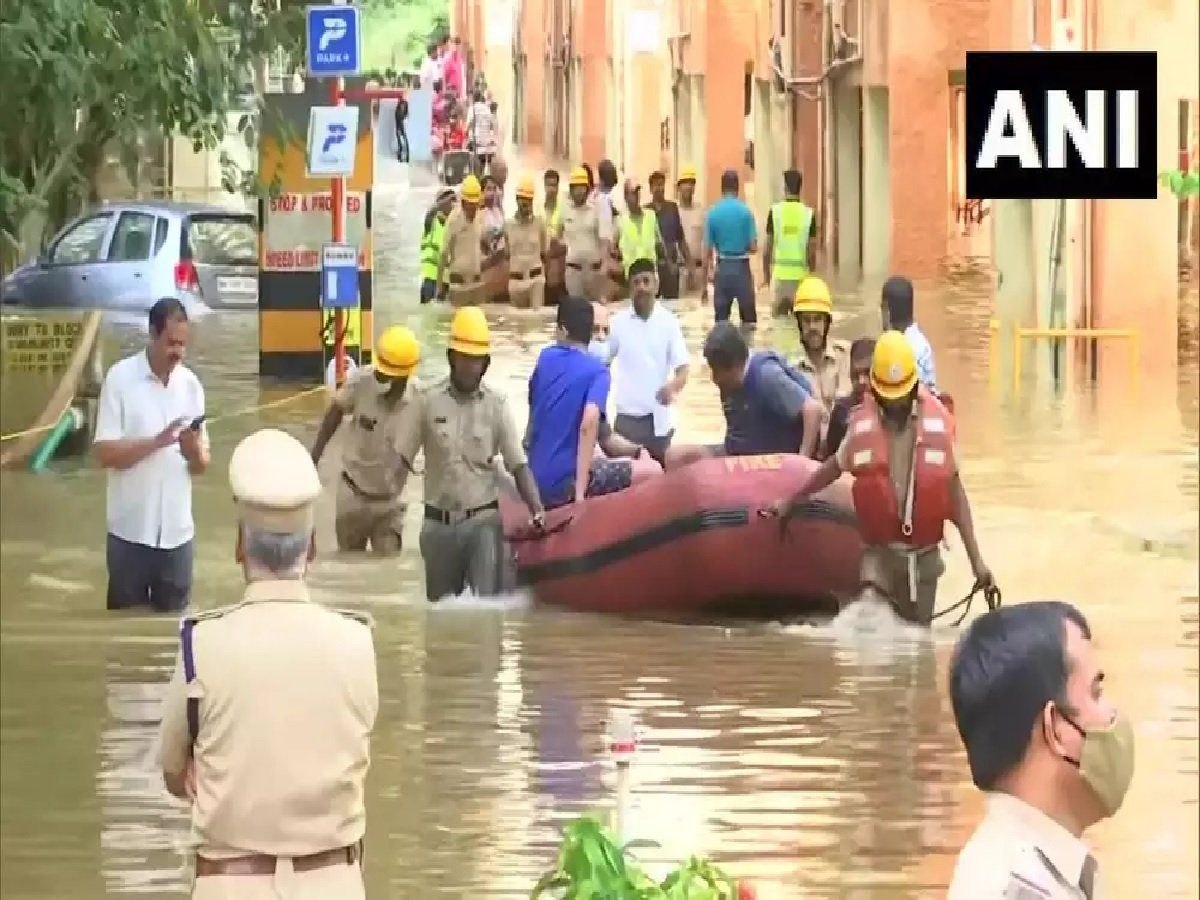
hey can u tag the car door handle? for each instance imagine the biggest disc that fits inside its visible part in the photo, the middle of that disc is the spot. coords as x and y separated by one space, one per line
137 274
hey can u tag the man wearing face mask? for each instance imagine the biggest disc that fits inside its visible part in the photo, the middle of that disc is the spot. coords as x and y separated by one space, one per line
1046 745
369 508
901 453
462 424
568 393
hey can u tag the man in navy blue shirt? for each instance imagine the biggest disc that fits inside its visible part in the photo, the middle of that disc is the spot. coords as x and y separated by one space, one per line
568 392
731 236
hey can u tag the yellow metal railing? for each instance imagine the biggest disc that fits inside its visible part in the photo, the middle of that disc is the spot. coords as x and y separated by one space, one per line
1131 337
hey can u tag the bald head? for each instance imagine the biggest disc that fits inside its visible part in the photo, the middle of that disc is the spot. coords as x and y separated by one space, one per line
499 170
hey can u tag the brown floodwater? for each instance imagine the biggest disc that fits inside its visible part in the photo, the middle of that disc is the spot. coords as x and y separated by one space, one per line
818 761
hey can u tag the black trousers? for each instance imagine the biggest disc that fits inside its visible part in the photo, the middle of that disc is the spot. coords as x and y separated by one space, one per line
732 281
141 576
402 145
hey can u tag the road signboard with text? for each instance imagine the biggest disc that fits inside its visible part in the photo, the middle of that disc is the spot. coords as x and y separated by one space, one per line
334 41
339 276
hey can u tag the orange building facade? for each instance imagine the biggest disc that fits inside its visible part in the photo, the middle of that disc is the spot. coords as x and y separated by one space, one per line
865 98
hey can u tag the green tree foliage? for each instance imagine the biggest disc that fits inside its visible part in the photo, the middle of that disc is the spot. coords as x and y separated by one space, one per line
81 76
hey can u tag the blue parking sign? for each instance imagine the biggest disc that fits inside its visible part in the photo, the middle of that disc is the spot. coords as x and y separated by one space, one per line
339 276
334 41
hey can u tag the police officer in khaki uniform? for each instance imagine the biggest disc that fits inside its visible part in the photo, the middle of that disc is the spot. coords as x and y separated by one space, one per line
525 235
369 505
462 425
692 217
1052 752
462 247
267 720
581 234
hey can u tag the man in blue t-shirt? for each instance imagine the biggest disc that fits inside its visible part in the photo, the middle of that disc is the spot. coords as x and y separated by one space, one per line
731 236
568 392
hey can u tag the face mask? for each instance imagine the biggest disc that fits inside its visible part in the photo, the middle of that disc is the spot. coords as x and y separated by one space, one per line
1106 762
599 349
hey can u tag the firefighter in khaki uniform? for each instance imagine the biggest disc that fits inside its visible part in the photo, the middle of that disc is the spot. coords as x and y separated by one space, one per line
462 247
581 234
369 508
463 424
267 720
692 217
825 362
525 235
900 449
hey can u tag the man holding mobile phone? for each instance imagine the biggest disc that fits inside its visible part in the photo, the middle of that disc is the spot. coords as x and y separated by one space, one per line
151 437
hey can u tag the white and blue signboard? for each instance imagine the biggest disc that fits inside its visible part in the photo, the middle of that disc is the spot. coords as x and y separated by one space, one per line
332 141
339 276
334 36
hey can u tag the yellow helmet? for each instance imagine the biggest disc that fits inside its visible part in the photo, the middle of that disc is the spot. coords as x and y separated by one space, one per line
578 176
812 296
686 173
525 187
397 352
470 191
893 366
469 332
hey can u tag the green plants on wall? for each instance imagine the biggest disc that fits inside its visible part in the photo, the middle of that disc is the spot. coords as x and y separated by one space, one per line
1182 184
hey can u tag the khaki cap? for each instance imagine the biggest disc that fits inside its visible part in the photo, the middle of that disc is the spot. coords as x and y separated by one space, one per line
274 482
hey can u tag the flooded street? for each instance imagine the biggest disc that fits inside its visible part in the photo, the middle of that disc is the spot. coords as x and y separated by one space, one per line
818 763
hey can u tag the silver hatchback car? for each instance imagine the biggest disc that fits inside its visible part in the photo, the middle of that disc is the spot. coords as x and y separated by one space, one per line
128 255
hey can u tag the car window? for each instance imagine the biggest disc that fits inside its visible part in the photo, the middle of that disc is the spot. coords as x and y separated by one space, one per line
82 243
218 240
132 238
160 234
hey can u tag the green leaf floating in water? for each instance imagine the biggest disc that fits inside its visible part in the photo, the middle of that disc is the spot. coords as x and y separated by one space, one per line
592 866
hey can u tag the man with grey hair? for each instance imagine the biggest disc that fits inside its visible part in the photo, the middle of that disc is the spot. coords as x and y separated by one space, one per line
267 720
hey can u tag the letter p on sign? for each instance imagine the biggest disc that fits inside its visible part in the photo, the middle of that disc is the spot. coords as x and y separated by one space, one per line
1062 125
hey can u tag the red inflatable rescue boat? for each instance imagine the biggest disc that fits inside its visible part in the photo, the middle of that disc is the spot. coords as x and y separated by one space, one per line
691 541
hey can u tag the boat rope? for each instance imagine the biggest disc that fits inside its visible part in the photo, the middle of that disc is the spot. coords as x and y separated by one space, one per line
241 412
990 594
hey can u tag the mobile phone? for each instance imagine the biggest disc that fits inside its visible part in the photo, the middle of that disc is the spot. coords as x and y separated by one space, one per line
196 423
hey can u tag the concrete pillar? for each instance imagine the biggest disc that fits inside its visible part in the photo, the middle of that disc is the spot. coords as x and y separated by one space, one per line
767 163
724 99
591 38
848 176
646 66
1138 288
876 185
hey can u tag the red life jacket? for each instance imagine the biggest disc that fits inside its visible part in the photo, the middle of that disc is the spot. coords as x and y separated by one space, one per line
880 518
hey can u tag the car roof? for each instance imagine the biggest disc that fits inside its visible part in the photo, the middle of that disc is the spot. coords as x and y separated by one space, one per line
170 207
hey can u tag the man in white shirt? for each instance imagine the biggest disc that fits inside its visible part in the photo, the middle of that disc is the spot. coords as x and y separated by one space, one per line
151 437
646 343
1051 751
898 315
430 70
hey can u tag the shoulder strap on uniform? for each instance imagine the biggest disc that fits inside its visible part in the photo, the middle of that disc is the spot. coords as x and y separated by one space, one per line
186 629
362 618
